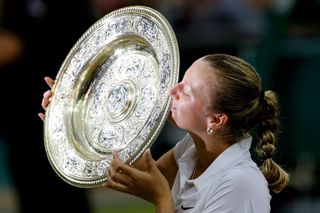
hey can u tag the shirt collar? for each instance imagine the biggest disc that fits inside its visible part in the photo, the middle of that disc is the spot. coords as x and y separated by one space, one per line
225 160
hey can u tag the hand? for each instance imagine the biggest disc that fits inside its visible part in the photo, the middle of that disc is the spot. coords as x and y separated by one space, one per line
46 97
148 184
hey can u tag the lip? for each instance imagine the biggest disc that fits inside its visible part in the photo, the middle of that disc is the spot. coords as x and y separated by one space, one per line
173 105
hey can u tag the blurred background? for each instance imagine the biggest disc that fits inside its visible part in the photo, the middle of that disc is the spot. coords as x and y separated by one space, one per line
280 38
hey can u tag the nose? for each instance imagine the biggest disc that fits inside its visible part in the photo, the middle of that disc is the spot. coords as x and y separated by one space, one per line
173 92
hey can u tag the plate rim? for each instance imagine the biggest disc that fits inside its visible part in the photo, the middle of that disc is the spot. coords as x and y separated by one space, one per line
163 23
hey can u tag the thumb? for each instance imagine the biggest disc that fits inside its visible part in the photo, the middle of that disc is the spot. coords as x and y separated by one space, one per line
150 162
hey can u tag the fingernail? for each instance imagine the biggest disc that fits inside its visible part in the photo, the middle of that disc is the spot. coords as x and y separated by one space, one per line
41 116
46 93
148 151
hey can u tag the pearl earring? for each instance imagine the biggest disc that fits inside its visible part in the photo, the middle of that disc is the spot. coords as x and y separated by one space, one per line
210 131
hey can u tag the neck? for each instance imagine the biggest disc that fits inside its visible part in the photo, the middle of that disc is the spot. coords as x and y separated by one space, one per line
207 151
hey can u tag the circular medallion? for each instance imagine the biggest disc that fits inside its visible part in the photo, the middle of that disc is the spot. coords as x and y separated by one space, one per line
111 93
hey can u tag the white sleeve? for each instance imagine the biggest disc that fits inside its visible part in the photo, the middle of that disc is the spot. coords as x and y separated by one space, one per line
180 148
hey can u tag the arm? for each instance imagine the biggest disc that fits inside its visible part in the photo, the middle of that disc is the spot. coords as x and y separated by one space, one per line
168 166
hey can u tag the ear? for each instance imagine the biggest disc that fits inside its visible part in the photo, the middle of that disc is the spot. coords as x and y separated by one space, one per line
215 121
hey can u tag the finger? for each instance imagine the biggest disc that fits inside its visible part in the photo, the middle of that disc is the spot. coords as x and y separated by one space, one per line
116 173
49 81
150 162
116 162
118 165
111 183
41 116
119 177
44 103
46 99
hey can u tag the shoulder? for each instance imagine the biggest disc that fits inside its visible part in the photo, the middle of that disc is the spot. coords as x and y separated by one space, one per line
244 178
242 188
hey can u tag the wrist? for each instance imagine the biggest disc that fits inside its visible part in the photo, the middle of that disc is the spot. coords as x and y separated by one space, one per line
165 205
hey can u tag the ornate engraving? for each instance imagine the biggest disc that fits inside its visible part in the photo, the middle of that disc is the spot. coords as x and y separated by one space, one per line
111 94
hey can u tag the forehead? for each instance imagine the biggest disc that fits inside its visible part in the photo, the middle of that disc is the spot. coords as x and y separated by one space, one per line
199 71
197 76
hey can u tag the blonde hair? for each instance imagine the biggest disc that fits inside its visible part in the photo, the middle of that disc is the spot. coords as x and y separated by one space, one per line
238 93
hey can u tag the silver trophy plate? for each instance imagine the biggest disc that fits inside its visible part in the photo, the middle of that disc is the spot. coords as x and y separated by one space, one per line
111 93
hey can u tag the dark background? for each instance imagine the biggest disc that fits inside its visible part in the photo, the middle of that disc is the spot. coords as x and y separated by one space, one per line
281 39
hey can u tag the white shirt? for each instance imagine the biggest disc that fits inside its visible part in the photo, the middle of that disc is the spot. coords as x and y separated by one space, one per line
231 184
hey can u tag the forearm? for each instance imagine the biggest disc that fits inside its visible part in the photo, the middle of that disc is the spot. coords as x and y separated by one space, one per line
168 166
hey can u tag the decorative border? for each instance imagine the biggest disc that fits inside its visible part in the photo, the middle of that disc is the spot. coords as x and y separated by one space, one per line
63 155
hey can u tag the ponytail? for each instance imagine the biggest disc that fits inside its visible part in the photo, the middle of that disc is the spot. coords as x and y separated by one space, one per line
238 94
266 146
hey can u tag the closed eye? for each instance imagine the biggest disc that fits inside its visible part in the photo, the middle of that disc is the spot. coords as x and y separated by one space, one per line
185 94
186 91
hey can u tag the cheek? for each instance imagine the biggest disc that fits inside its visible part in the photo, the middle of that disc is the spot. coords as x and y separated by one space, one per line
187 117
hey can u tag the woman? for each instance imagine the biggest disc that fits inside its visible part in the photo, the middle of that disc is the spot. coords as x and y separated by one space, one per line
218 102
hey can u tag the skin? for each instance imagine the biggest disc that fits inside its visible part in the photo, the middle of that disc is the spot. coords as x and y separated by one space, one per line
46 97
153 180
